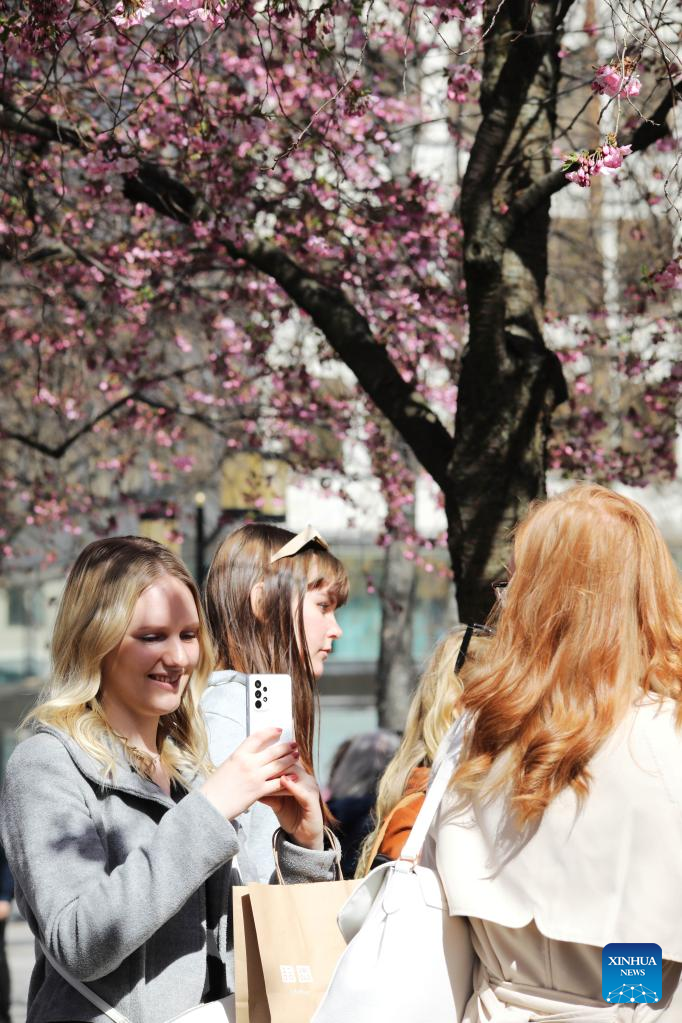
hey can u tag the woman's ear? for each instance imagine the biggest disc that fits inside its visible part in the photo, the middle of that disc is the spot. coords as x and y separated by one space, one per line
256 599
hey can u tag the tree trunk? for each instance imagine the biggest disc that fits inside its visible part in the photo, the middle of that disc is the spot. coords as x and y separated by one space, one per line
510 381
395 671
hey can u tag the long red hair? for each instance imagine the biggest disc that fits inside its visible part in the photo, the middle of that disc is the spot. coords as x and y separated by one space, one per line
592 620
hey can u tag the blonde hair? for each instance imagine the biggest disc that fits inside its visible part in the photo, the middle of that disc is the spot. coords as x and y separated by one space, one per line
431 713
592 620
96 607
267 642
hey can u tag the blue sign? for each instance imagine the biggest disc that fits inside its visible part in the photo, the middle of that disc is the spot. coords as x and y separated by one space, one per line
631 972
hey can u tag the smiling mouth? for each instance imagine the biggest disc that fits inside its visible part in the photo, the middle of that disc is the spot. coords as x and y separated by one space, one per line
167 681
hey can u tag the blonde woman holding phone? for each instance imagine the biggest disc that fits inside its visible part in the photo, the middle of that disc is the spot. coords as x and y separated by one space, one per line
119 834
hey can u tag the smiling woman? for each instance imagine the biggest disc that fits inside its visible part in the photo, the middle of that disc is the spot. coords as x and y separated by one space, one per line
145 676
118 831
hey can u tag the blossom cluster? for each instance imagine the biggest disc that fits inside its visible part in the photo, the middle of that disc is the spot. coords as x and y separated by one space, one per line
606 159
462 78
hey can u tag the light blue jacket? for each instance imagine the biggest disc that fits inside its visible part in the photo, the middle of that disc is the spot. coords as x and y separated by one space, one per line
224 707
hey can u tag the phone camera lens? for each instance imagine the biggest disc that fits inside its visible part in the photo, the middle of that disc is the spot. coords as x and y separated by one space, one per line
258 705
265 689
258 694
265 699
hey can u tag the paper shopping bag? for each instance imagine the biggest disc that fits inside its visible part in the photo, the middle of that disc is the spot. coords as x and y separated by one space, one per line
251 999
287 943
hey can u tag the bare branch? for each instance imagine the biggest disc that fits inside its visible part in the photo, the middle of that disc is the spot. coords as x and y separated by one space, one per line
647 134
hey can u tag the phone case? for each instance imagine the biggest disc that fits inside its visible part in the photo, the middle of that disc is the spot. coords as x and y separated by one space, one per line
268 705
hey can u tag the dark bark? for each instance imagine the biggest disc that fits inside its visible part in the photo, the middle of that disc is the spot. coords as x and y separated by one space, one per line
510 381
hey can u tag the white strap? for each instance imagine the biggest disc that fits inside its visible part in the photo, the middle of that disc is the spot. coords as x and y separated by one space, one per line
84 990
439 783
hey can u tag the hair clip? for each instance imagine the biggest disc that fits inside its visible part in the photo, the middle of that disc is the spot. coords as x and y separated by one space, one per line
298 542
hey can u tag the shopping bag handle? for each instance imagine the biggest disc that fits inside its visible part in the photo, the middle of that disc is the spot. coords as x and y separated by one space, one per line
333 844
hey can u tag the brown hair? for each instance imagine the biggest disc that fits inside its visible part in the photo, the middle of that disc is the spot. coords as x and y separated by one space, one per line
97 604
592 620
268 642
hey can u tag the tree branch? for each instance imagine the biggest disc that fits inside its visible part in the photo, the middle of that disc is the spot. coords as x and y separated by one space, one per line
350 335
647 133
57 451
16 121
346 330
502 108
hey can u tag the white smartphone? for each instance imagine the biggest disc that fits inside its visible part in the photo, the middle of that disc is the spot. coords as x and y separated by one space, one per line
268 705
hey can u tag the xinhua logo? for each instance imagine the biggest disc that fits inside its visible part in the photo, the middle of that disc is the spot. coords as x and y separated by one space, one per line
631 972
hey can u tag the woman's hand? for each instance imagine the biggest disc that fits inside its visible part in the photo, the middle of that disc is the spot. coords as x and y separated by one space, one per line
253 771
298 809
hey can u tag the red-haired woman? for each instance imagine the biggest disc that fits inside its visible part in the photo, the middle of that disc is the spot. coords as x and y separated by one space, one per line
562 829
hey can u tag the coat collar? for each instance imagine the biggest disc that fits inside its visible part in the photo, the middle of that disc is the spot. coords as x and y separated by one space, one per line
125 779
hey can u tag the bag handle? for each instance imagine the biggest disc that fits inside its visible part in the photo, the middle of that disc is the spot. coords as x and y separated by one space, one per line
333 843
453 745
84 990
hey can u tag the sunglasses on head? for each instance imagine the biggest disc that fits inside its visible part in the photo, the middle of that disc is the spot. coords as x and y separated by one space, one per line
474 629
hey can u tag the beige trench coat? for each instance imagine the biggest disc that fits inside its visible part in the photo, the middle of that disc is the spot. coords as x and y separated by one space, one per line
543 903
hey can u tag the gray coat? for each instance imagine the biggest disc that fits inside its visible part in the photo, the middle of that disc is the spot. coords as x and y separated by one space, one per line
127 888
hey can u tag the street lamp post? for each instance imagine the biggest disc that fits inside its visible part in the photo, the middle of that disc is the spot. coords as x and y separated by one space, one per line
200 539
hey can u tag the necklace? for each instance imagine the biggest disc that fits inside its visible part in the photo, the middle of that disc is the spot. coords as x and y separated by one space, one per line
143 762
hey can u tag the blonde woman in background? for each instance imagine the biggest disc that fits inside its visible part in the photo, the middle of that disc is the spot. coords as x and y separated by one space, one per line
561 832
403 785
118 833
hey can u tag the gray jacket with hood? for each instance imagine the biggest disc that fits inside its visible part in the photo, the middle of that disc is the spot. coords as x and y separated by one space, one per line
128 888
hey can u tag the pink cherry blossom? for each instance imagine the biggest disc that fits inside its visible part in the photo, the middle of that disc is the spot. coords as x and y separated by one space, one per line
610 81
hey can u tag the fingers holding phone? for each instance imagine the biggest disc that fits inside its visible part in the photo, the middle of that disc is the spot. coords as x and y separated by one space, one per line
298 809
252 771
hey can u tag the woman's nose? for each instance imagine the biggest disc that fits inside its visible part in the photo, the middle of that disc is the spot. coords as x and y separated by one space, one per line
176 653
335 631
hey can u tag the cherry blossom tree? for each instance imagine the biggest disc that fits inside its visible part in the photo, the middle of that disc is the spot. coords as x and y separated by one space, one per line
209 205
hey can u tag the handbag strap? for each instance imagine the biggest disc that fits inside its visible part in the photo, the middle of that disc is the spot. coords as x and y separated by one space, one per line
84 990
381 834
453 745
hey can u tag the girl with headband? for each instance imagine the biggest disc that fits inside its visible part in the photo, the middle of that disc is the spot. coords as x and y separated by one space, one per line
271 599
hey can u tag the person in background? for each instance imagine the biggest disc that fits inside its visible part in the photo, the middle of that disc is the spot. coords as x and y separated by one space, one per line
6 896
271 600
560 832
353 787
403 785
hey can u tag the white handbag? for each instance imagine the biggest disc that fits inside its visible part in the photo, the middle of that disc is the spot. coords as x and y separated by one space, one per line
221 1011
407 960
